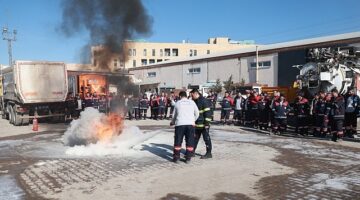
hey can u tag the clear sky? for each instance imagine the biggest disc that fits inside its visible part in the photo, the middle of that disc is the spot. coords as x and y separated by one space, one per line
265 21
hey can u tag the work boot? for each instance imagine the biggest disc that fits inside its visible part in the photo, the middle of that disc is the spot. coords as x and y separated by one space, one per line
175 160
206 156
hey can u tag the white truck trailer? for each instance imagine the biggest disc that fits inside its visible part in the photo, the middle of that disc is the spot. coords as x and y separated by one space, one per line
33 89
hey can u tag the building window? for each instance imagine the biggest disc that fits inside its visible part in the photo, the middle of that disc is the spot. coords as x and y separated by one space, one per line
134 52
208 51
153 52
95 62
159 60
130 52
115 62
167 52
196 70
134 63
151 61
161 52
263 64
191 52
143 62
195 52
175 52
144 53
151 74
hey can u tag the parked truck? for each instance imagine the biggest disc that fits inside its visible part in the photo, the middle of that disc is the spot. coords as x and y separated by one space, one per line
33 89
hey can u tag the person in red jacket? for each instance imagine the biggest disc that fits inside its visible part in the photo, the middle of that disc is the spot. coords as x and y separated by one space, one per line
155 106
162 105
254 111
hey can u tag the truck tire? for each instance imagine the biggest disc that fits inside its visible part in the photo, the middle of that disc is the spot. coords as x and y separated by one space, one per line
11 114
17 118
25 121
4 115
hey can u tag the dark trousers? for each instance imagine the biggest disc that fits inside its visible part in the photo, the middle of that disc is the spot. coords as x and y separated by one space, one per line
161 112
155 112
280 124
143 113
166 111
264 118
321 124
171 111
136 113
337 128
180 132
225 114
302 124
206 136
351 121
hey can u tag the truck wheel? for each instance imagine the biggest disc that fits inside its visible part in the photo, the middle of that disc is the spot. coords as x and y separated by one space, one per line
11 114
17 120
4 115
25 121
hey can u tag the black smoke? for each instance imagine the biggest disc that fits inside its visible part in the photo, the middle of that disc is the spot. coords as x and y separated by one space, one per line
109 23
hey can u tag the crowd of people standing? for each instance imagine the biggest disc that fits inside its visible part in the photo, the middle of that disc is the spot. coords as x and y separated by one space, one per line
327 113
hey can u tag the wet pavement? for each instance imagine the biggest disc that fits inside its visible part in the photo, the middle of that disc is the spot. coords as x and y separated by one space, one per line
35 166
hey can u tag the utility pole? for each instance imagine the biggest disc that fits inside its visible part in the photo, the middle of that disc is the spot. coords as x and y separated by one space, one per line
10 37
257 64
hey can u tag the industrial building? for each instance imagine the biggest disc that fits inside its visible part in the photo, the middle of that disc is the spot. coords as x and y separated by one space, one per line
142 53
275 63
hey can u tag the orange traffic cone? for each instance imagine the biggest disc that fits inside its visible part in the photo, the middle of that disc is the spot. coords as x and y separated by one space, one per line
35 125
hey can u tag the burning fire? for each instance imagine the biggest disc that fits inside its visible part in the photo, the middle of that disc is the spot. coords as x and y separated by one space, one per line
110 126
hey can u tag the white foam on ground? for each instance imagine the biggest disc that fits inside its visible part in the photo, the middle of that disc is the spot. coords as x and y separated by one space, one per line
81 136
325 181
120 145
9 189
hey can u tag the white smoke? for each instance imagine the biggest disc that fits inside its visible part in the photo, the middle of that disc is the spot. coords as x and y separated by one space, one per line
81 137
83 130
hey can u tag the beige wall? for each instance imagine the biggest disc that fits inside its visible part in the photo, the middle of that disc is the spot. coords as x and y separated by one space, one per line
178 75
184 49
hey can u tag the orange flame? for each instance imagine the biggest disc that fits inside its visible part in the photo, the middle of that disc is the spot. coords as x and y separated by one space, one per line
110 126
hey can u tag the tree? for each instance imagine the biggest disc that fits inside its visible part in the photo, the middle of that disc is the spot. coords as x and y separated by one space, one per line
228 85
242 82
217 88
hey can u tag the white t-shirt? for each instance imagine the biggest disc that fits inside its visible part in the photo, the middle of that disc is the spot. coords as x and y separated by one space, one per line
185 113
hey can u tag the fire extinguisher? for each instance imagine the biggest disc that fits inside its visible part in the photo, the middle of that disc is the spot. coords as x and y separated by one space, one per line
35 125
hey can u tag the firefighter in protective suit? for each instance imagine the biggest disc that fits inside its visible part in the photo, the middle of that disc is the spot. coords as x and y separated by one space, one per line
202 124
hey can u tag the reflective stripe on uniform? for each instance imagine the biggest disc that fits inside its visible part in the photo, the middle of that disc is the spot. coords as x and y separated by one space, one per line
199 125
177 148
208 119
204 110
190 148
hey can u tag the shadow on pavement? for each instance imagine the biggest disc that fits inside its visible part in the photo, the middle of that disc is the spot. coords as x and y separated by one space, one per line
162 150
